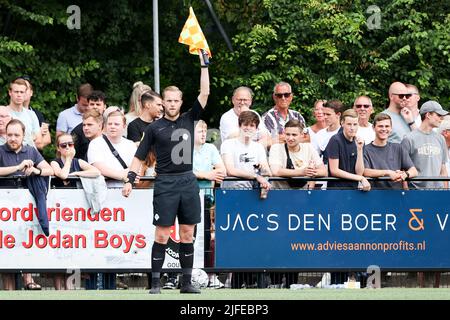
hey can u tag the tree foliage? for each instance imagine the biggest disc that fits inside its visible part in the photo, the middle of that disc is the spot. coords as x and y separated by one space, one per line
335 50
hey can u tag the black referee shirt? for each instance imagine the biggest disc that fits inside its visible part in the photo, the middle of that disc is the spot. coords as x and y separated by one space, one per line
169 137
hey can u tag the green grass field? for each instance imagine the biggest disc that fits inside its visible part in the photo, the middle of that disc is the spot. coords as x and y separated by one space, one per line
242 294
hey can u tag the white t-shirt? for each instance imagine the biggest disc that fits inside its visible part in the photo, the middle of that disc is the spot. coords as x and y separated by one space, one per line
99 151
311 133
418 121
244 157
448 162
320 140
366 133
229 125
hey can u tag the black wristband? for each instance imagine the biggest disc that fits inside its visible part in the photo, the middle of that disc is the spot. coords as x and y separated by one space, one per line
131 177
204 66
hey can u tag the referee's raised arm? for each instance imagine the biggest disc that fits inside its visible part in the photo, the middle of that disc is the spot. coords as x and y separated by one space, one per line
204 83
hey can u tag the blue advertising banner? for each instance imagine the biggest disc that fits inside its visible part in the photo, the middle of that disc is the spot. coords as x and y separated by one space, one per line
332 229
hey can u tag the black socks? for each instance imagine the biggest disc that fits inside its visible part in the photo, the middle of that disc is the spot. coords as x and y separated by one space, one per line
186 261
158 255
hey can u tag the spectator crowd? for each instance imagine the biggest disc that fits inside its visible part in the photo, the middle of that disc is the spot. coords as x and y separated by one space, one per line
406 140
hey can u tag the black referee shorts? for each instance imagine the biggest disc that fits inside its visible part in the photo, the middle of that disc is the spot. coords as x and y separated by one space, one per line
176 195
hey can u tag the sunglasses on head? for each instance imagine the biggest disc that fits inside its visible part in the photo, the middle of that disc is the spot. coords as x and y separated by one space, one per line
285 94
401 96
365 106
65 144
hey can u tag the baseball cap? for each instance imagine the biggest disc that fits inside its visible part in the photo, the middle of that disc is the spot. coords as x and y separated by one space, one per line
432 106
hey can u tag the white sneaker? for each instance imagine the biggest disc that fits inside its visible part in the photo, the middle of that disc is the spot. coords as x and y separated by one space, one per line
169 285
326 280
228 283
214 283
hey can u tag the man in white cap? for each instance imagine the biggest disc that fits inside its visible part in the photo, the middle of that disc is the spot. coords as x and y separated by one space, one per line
427 148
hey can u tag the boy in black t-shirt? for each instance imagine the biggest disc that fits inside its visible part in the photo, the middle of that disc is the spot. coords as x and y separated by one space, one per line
344 155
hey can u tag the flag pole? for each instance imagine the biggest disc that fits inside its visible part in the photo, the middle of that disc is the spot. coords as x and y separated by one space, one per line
156 86
219 25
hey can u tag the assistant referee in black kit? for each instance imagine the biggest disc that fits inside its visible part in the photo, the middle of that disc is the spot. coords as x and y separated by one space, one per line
176 192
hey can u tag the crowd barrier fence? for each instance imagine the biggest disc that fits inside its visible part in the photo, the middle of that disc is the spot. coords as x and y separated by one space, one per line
262 242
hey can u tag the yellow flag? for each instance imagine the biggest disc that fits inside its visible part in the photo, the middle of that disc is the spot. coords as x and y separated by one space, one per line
192 35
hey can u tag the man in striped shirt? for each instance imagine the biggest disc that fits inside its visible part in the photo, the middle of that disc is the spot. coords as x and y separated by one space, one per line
275 118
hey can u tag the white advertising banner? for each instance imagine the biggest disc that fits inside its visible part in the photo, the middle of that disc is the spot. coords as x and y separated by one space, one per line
120 236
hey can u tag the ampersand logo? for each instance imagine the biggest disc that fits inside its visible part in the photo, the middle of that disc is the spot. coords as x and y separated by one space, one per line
416 224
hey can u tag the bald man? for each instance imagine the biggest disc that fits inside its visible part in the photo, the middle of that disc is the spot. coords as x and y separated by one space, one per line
402 117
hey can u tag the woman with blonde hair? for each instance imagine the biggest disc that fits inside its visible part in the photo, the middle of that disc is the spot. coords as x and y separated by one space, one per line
139 88
319 117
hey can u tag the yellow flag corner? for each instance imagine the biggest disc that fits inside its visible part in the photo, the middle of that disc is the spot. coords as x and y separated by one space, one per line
192 35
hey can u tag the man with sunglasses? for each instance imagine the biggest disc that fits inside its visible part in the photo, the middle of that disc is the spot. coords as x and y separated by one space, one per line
364 109
402 118
412 103
275 118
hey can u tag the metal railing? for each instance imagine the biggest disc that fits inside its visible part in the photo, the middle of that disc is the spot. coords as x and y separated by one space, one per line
267 278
